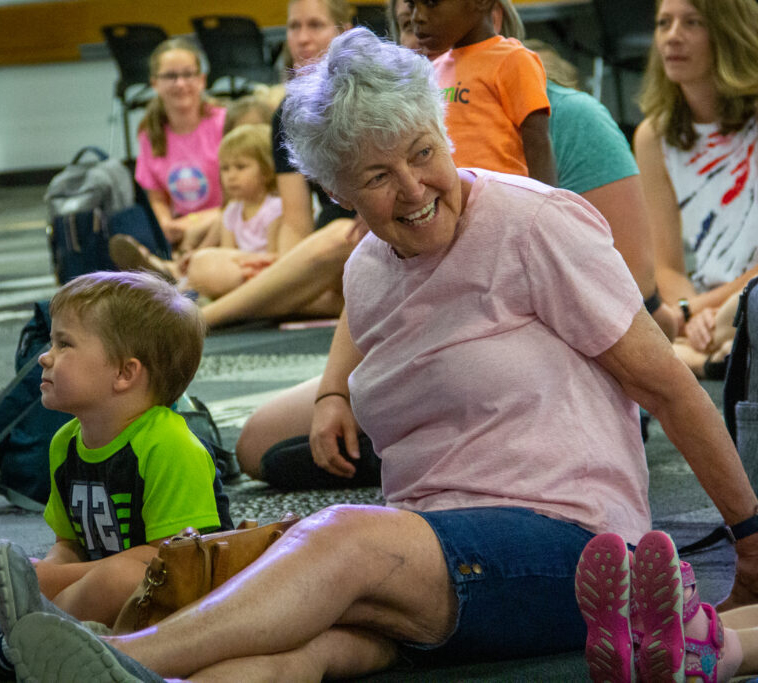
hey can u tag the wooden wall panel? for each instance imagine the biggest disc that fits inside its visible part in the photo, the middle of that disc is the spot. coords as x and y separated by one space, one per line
53 31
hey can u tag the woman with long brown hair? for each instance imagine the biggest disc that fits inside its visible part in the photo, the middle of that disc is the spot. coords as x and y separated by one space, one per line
699 166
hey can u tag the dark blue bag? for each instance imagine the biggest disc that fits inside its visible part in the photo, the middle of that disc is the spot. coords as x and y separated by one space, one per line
26 426
741 382
740 399
88 202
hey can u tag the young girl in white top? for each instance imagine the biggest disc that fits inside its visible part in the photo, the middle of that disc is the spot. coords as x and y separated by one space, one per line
243 241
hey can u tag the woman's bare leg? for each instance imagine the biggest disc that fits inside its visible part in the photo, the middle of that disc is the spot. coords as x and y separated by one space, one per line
296 279
287 415
340 652
371 567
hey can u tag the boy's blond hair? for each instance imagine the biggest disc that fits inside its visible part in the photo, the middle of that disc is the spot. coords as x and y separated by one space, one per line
139 315
252 140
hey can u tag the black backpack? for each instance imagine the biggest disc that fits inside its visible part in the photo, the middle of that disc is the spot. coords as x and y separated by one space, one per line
741 382
88 202
26 426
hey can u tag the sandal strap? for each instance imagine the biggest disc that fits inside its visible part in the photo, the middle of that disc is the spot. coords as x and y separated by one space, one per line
692 603
706 653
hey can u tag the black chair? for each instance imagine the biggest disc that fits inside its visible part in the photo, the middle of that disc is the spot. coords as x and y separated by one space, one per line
626 34
373 17
236 50
131 46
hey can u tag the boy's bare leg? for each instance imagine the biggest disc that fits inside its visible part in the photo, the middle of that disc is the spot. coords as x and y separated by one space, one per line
340 652
376 568
94 591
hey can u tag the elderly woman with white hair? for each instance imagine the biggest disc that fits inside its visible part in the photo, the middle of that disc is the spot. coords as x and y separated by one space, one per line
493 347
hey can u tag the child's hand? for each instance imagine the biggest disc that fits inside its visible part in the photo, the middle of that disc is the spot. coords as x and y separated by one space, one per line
173 230
253 263
183 263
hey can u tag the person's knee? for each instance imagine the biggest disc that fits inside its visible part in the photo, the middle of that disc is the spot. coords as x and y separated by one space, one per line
213 275
251 445
347 527
100 594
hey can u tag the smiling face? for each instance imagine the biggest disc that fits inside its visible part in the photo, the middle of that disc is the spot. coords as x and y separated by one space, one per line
178 80
77 376
409 196
442 24
241 177
682 40
310 30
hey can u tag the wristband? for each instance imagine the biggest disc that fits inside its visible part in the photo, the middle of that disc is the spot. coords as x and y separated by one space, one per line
684 305
748 527
331 393
653 302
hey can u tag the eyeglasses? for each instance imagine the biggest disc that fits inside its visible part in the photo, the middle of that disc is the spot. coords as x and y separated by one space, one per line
174 76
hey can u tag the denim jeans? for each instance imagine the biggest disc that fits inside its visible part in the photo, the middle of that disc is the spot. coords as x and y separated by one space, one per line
513 572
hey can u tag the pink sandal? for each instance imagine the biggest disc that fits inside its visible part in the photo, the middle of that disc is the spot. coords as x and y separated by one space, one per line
602 587
657 589
702 657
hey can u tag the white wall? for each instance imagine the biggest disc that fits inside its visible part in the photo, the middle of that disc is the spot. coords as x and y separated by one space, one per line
49 111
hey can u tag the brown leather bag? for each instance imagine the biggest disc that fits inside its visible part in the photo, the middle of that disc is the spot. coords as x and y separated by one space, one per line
190 565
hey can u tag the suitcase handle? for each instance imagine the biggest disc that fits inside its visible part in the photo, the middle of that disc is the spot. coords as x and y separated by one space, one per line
102 156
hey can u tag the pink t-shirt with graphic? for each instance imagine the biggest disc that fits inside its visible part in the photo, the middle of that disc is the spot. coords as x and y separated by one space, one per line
478 385
189 173
252 234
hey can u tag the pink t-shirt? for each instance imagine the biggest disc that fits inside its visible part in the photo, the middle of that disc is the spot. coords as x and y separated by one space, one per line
252 234
189 172
478 385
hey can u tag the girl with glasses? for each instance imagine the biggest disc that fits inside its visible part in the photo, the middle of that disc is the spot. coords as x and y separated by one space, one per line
178 145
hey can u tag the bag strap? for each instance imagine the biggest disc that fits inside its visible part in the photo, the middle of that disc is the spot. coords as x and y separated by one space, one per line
206 560
20 375
718 534
102 156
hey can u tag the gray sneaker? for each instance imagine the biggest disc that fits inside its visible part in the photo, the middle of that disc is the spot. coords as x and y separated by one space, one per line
46 647
19 589
19 592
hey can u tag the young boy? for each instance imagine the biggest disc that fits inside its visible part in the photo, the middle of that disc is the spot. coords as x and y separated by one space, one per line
126 472
494 87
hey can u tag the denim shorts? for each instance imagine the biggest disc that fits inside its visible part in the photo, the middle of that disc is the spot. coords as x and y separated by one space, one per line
513 572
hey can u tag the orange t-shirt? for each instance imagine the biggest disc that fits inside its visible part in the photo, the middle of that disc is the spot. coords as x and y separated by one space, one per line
490 88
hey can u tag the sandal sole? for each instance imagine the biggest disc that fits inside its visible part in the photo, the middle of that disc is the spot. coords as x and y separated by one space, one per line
602 587
657 588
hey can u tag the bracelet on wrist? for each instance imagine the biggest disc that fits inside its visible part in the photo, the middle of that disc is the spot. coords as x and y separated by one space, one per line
653 302
742 529
332 393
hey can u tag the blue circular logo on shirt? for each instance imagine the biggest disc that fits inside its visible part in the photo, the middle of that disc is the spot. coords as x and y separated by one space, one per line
188 184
